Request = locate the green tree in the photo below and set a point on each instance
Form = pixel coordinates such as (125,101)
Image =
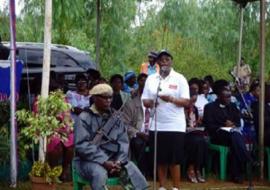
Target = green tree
(201,33)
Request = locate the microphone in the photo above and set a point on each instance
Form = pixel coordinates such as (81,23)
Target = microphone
(163,70)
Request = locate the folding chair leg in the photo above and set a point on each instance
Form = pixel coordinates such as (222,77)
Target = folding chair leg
(223,164)
(77,186)
(268,162)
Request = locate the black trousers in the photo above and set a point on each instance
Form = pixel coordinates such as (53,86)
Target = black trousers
(143,158)
(239,155)
(196,148)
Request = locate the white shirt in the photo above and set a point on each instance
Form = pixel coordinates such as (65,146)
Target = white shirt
(77,100)
(200,103)
(169,117)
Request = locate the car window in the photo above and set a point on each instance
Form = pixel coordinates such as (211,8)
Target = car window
(31,57)
(61,59)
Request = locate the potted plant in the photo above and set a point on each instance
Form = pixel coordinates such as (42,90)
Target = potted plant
(49,118)
(24,163)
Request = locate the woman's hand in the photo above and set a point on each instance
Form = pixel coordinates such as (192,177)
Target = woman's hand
(148,103)
(166,98)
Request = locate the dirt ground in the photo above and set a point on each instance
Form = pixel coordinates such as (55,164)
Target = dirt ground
(211,184)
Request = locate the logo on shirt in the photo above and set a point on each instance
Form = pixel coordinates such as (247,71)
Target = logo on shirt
(173,86)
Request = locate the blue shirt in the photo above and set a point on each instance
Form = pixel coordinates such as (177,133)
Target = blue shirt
(151,69)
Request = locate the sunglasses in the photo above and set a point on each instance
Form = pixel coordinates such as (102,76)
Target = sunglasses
(105,97)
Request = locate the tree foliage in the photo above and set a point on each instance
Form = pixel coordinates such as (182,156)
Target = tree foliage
(201,34)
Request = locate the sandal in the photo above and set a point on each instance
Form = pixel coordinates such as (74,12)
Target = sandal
(200,178)
(192,177)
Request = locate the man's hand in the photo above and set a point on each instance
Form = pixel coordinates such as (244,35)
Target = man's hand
(229,123)
(108,165)
(112,166)
(77,110)
(143,136)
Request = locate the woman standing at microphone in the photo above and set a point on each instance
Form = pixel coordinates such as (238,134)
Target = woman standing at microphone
(171,91)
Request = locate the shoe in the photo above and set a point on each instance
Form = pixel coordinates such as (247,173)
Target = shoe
(162,188)
(192,177)
(255,164)
(200,178)
(65,177)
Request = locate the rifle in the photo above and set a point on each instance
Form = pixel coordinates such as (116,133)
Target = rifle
(102,137)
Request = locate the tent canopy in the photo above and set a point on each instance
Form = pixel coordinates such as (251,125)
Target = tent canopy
(243,3)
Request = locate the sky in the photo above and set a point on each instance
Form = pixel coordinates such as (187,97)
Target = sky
(142,7)
(4,3)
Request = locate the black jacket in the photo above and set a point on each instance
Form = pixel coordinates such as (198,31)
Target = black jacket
(216,114)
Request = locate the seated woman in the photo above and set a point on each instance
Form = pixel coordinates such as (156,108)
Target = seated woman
(120,98)
(246,100)
(79,99)
(195,144)
(255,113)
(130,84)
(59,152)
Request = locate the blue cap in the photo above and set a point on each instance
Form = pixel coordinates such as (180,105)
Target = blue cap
(129,75)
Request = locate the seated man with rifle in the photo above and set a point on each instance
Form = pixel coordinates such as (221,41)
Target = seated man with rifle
(101,144)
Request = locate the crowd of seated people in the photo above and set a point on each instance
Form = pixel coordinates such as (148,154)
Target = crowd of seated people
(215,114)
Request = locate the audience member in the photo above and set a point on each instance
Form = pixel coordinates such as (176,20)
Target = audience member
(255,111)
(210,81)
(138,126)
(222,122)
(99,154)
(243,73)
(246,100)
(120,98)
(79,99)
(4,51)
(59,151)
(196,145)
(130,84)
(201,101)
(93,77)
(151,66)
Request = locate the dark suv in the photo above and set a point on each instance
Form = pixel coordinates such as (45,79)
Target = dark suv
(66,62)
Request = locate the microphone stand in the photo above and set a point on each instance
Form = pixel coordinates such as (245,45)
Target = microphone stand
(241,95)
(249,164)
(155,135)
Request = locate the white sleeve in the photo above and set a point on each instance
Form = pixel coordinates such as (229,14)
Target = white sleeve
(184,88)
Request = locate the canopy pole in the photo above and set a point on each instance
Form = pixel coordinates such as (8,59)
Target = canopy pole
(98,19)
(240,38)
(262,84)
(46,66)
(13,129)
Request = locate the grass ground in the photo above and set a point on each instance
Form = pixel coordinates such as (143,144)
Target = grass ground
(211,184)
